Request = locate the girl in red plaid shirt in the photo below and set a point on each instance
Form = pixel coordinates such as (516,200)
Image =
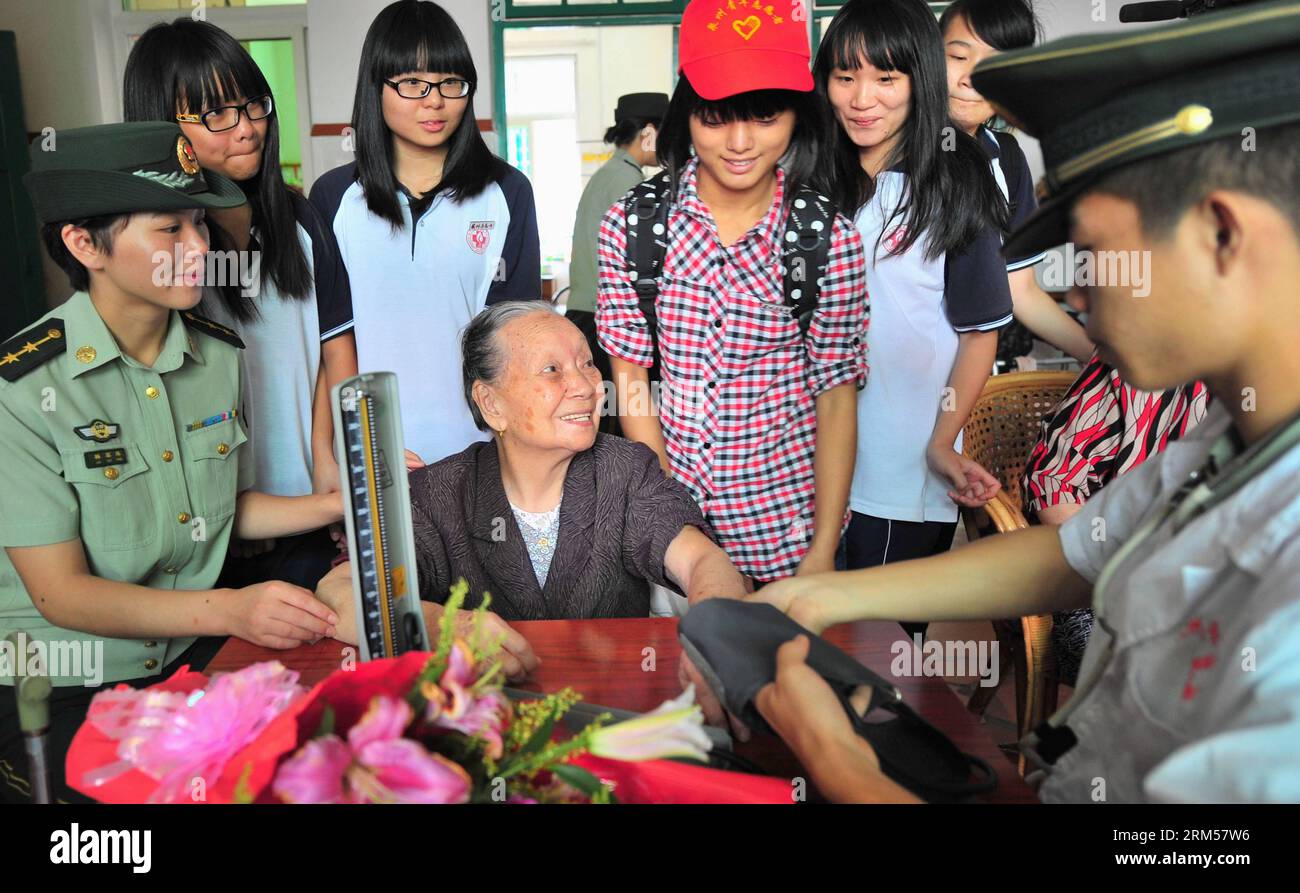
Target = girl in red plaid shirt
(757,419)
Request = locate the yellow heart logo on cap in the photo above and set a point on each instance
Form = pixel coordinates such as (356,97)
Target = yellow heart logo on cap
(746,27)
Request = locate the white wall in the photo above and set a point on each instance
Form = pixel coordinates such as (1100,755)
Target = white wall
(336,30)
(67,75)
(1062,18)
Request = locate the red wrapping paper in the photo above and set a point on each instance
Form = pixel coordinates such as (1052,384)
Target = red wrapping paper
(349,692)
(664,781)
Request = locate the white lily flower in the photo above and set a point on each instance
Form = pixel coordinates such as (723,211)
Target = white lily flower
(673,729)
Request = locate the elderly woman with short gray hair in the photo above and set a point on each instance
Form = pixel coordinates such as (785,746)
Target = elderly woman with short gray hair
(551,517)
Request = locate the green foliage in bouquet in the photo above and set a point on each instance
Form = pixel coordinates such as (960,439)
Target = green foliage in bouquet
(456,737)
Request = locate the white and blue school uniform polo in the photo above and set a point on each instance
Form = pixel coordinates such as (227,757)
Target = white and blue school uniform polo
(1014,178)
(416,288)
(283,354)
(919,306)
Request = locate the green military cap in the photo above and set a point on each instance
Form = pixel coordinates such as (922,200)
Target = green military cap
(1096,103)
(120,169)
(641,105)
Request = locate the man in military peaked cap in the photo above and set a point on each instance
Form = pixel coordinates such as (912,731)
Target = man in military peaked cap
(123,466)
(1177,148)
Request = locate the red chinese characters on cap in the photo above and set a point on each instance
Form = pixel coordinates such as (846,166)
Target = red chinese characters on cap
(737,46)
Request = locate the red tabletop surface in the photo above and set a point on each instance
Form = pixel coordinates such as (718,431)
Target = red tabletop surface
(631,663)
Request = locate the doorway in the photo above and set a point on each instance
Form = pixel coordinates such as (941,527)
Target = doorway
(560,84)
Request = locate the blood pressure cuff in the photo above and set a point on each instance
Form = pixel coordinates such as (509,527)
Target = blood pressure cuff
(734,643)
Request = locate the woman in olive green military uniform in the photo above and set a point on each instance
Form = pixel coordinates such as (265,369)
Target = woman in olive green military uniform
(123,464)
(636,128)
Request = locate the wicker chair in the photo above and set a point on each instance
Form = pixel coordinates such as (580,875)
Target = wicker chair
(1002,429)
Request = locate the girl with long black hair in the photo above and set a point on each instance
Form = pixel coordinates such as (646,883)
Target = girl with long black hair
(432,226)
(291,304)
(931,220)
(975,30)
(754,415)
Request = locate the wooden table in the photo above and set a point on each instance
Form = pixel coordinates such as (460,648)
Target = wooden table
(632,664)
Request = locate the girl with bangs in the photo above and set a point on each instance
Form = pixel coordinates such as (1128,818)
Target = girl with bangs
(292,307)
(756,416)
(975,30)
(931,219)
(432,226)
(1103,427)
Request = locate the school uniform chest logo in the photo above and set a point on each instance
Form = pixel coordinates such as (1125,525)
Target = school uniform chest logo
(479,235)
(894,239)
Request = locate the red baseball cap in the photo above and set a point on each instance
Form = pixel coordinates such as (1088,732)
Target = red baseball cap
(735,46)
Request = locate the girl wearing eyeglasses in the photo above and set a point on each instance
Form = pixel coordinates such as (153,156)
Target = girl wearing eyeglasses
(282,285)
(433,227)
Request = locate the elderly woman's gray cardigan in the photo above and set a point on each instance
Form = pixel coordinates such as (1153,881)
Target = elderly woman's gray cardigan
(617,517)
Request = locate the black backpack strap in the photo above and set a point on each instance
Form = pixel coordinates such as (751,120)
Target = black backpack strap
(805,250)
(646,207)
(1009,150)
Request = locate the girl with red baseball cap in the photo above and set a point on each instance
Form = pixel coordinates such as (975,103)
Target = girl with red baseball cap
(754,414)
(931,217)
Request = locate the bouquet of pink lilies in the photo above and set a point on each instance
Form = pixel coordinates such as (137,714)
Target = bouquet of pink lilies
(421,728)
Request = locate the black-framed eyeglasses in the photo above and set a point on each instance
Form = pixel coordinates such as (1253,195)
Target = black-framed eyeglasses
(416,88)
(224,117)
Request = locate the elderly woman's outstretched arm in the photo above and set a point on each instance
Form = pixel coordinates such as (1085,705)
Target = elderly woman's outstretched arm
(701,569)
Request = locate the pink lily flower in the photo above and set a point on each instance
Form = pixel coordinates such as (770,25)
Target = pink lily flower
(486,717)
(315,773)
(375,765)
(455,707)
(460,665)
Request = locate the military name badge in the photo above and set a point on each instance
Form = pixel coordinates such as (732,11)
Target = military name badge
(101,458)
(98,431)
(479,235)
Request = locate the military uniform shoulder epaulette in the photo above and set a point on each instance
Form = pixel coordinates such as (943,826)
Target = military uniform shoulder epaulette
(27,350)
(215,329)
